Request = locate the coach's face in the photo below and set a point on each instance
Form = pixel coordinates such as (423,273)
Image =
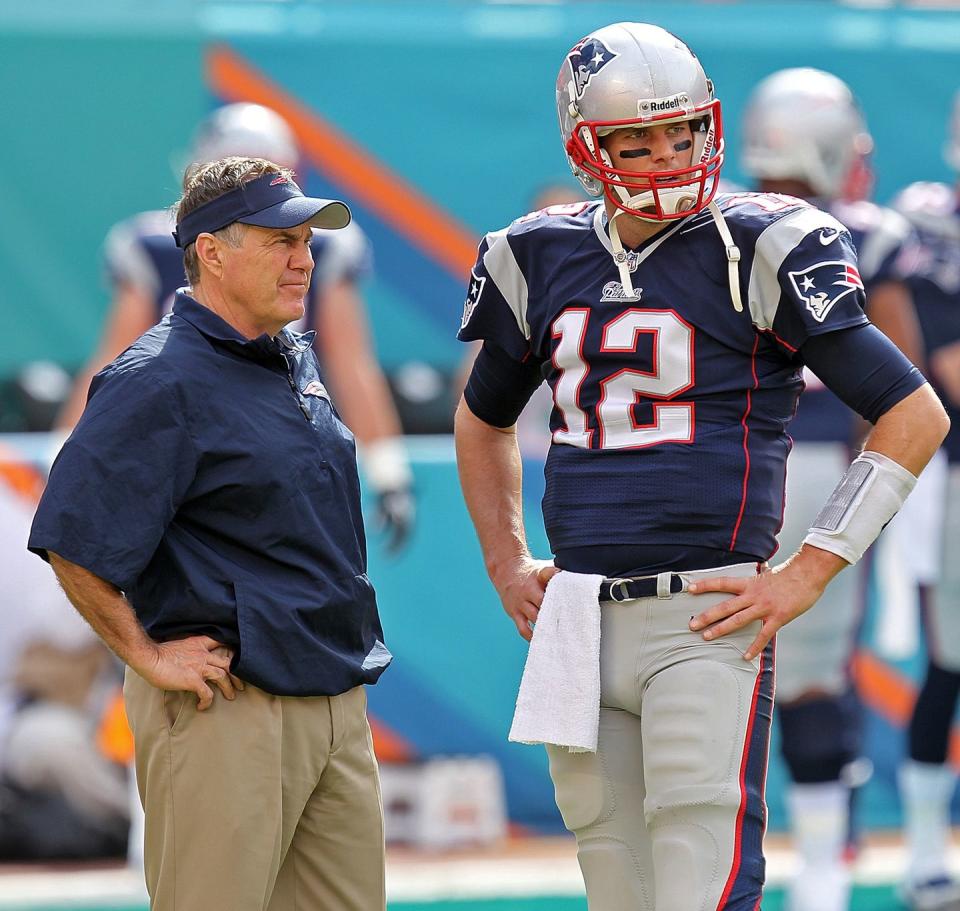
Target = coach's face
(266,278)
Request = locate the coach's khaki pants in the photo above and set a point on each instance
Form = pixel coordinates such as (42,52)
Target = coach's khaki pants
(669,812)
(266,803)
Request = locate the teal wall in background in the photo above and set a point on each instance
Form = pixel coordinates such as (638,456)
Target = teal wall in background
(88,124)
(455,98)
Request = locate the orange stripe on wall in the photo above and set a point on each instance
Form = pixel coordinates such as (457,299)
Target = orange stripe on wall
(21,477)
(362,177)
(388,745)
(890,694)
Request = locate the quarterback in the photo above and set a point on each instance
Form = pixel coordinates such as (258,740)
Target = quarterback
(672,324)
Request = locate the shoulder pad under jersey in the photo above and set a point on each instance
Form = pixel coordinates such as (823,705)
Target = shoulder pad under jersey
(780,238)
(342,254)
(533,244)
(125,249)
(878,232)
(926,198)
(754,212)
(931,207)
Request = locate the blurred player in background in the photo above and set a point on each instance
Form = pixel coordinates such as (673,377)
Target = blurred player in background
(804,136)
(146,269)
(672,327)
(927,780)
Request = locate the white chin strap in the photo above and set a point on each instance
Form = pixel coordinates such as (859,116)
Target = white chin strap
(620,258)
(733,256)
(730,248)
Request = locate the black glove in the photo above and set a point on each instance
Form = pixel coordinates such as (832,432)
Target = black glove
(396,511)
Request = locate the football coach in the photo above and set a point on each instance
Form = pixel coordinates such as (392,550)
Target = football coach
(204,517)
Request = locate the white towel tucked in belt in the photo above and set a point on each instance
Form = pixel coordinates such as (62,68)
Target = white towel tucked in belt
(559,698)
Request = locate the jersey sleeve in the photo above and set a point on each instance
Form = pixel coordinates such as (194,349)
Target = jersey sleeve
(495,309)
(126,260)
(341,255)
(119,479)
(805,279)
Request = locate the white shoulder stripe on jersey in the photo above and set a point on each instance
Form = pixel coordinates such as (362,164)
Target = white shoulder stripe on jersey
(773,246)
(344,253)
(128,261)
(878,244)
(502,267)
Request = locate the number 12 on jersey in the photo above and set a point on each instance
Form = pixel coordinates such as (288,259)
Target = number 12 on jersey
(619,391)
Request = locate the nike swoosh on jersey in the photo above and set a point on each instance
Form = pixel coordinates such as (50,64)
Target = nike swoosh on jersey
(828,236)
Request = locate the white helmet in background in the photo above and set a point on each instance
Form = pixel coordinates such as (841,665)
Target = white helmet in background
(247,130)
(632,74)
(804,124)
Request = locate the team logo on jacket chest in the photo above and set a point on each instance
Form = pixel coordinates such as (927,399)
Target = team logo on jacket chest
(820,287)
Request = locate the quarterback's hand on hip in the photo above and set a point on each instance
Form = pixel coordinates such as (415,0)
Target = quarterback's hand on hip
(521,586)
(774,597)
(188,664)
(396,510)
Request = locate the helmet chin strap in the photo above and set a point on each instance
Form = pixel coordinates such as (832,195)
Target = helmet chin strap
(733,255)
(620,257)
(731,250)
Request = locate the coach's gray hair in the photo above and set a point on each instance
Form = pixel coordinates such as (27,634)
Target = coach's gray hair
(206,182)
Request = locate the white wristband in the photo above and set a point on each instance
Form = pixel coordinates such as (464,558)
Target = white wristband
(386,465)
(866,499)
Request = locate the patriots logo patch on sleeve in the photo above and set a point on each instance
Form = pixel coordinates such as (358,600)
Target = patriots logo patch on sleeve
(586,60)
(473,297)
(819,287)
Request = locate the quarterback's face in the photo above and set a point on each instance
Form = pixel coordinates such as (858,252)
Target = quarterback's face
(662,147)
(267,277)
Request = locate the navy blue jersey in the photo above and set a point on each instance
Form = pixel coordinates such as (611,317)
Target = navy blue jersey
(670,411)
(141,252)
(934,278)
(881,237)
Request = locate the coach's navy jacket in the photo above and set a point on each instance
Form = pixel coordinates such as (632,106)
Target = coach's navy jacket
(211,480)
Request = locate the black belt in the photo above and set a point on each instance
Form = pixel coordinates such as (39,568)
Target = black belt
(631,589)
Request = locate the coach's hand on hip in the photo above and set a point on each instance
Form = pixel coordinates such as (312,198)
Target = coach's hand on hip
(188,664)
(775,596)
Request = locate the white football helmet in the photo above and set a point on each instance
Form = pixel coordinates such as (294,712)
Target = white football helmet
(805,124)
(249,130)
(632,74)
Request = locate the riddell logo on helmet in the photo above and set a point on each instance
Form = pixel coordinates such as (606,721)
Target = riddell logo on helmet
(659,106)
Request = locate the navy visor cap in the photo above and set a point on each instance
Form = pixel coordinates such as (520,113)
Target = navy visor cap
(268,201)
